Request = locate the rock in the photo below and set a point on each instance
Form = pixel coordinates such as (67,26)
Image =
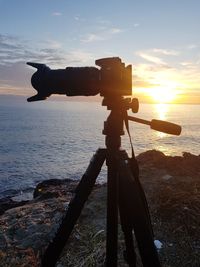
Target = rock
(166,177)
(7,203)
(188,164)
(150,156)
(31,226)
(27,228)
(54,188)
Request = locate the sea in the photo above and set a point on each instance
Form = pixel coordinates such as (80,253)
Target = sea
(56,139)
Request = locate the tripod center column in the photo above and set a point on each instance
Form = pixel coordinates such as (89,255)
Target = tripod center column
(113,129)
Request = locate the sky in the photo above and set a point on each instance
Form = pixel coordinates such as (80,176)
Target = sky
(159,38)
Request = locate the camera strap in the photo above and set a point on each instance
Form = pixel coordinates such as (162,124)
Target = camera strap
(128,131)
(135,171)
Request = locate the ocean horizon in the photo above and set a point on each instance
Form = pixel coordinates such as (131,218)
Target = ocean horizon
(56,139)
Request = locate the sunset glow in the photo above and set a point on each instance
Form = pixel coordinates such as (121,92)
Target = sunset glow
(152,84)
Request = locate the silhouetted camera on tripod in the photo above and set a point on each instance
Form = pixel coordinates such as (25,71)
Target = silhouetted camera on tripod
(124,192)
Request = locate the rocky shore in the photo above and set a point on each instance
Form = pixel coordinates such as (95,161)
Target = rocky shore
(172,187)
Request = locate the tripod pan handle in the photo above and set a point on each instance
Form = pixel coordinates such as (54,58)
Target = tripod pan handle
(165,127)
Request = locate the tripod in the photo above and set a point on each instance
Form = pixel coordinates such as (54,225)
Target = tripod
(124,194)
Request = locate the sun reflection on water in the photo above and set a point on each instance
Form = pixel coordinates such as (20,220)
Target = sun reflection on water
(162,110)
(161,114)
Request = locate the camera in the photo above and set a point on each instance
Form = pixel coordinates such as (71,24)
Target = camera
(112,79)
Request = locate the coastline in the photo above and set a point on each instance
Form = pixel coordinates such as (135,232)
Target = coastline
(172,189)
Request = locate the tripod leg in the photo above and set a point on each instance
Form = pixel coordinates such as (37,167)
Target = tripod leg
(124,210)
(112,210)
(133,211)
(75,207)
(129,253)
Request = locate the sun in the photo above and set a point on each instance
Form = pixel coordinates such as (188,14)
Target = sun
(165,92)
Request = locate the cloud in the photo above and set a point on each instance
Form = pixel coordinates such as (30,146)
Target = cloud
(151,58)
(101,20)
(53,44)
(115,30)
(15,52)
(12,50)
(188,64)
(157,55)
(15,78)
(166,52)
(192,46)
(101,34)
(184,75)
(178,69)
(78,18)
(140,82)
(79,56)
(91,37)
(135,25)
(158,58)
(57,14)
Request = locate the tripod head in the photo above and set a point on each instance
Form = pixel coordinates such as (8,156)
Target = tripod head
(122,105)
